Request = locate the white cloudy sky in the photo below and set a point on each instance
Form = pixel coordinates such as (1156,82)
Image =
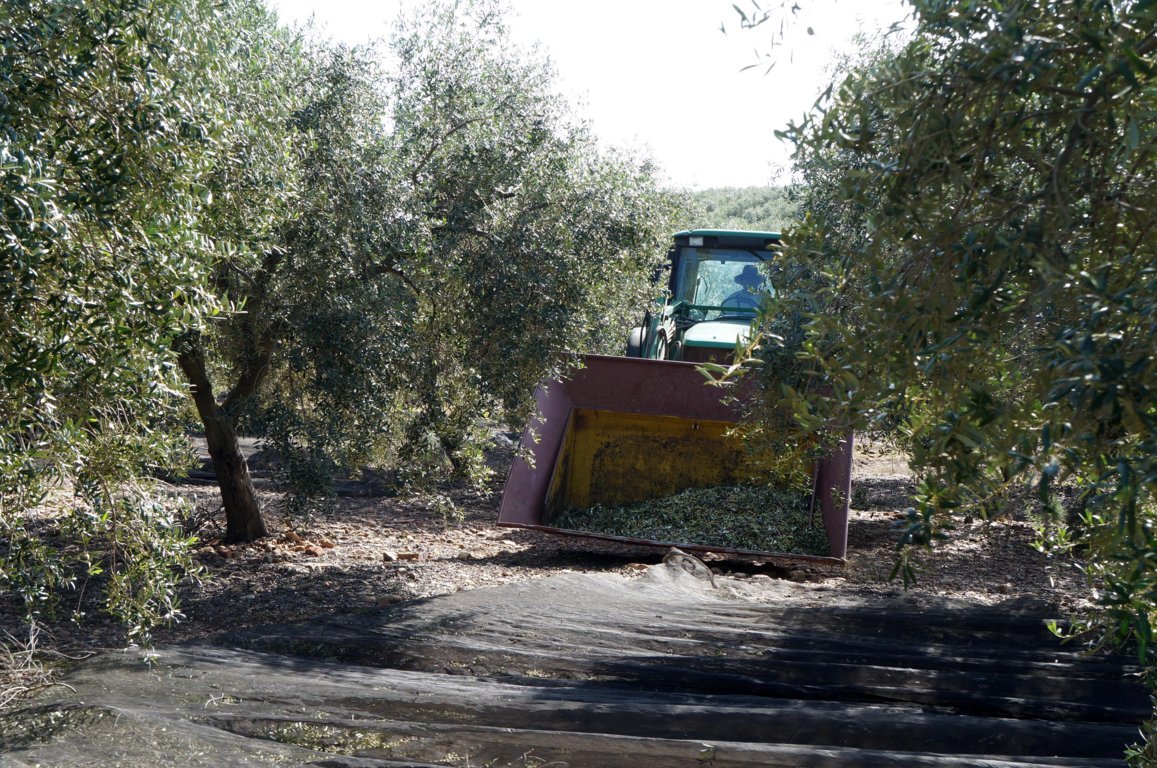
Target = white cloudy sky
(660,75)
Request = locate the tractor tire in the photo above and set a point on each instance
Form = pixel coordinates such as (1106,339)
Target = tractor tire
(635,342)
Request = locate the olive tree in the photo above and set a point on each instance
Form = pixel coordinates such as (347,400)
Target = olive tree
(257,189)
(360,263)
(108,130)
(523,239)
(451,234)
(979,254)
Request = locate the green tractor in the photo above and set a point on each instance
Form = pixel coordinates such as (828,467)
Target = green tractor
(716,284)
(620,430)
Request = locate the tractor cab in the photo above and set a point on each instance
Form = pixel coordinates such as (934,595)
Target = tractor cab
(717,281)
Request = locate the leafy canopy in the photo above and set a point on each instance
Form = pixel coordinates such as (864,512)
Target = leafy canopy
(977,266)
(460,233)
(110,125)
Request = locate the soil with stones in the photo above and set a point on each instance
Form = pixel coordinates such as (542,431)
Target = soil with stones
(375,551)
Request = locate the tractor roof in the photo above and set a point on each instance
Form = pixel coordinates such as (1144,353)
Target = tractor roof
(722,238)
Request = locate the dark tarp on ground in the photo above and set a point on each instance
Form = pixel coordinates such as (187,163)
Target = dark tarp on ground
(597,670)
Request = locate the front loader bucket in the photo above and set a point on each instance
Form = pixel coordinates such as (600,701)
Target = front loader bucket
(624,429)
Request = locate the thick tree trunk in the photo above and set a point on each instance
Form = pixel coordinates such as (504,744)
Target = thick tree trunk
(243,521)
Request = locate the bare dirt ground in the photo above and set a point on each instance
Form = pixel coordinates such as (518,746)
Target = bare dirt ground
(367,553)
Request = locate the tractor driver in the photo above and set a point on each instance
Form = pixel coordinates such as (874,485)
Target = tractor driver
(749,294)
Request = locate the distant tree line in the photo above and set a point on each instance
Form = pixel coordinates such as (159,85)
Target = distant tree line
(759,208)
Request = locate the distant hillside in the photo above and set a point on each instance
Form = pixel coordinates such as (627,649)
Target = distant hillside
(765,208)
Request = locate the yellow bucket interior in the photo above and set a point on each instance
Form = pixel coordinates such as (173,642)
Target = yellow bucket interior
(614,458)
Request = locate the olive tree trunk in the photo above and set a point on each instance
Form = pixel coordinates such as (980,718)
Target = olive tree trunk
(243,521)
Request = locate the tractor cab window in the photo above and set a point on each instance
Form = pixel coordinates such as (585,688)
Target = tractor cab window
(723,283)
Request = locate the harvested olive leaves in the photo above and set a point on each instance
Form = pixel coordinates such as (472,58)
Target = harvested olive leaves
(759,518)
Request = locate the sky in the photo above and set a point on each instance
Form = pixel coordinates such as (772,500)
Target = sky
(660,76)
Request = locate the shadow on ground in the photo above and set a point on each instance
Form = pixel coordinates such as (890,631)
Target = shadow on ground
(601,670)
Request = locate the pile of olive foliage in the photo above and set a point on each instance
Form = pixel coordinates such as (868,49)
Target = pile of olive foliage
(360,262)
(757,518)
(977,271)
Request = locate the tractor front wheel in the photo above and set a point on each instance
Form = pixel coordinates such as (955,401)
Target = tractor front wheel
(635,342)
(661,348)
